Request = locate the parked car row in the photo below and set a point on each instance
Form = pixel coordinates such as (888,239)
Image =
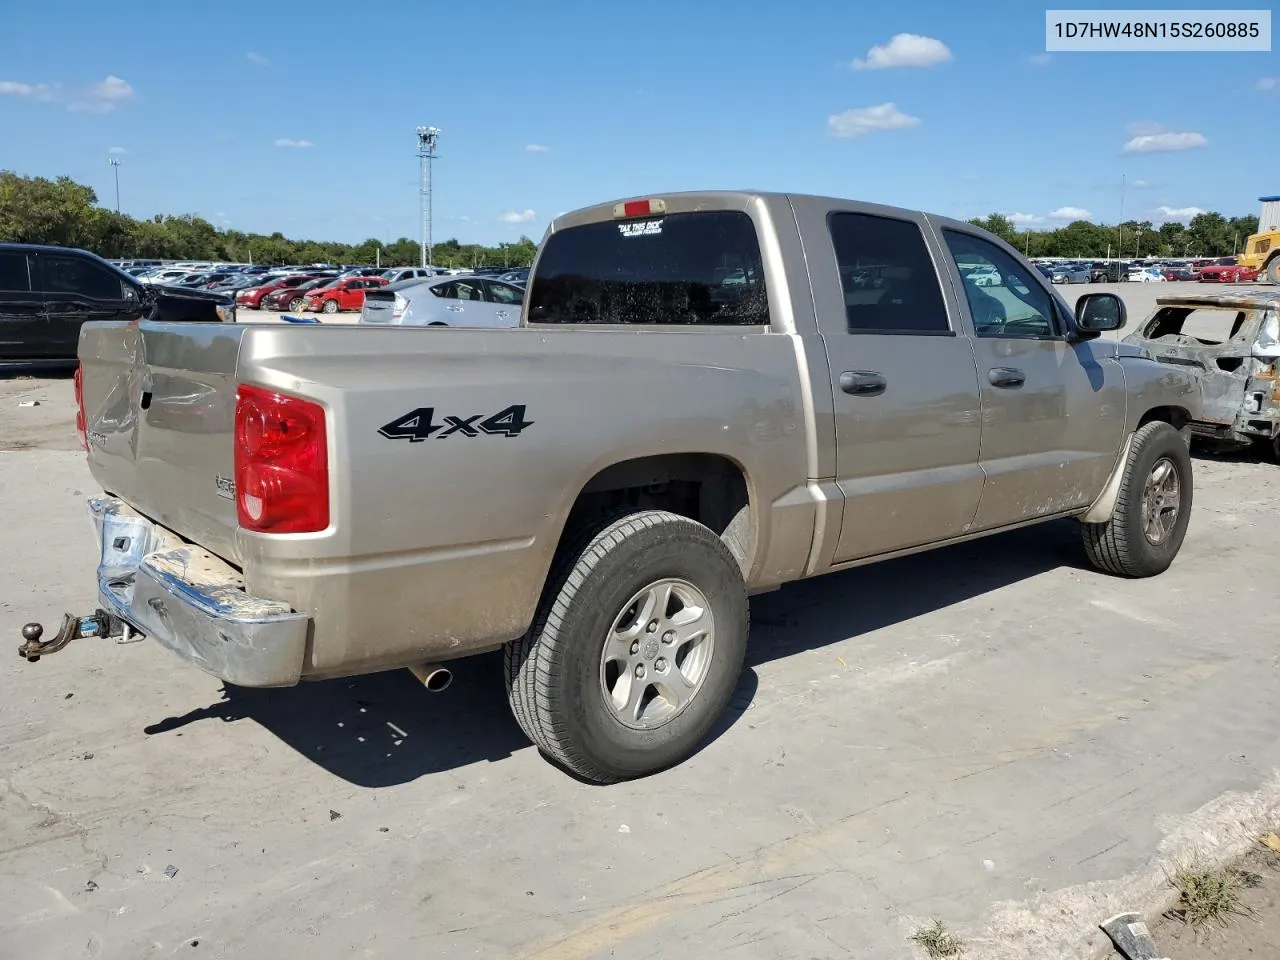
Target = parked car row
(1222,270)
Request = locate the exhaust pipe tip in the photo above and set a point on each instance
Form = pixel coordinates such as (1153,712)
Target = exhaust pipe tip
(433,676)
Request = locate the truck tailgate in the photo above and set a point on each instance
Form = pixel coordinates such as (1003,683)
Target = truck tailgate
(159,402)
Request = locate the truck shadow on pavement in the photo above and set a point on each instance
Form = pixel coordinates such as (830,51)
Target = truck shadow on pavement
(384,729)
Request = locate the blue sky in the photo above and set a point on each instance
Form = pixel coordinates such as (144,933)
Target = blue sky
(300,117)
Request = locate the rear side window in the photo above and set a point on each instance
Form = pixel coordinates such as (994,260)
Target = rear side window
(74,275)
(684,268)
(887,275)
(13,273)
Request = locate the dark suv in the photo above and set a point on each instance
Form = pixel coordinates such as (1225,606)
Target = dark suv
(48,293)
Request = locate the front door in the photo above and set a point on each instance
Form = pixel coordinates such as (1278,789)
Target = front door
(24,327)
(77,290)
(905,391)
(1052,411)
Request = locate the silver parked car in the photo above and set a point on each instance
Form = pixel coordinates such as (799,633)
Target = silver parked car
(445,302)
(1070,273)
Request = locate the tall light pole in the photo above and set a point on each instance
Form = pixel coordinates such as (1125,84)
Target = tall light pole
(115,166)
(427,138)
(1120,241)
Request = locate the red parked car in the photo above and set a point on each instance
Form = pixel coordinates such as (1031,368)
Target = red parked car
(346,294)
(252,297)
(1227,270)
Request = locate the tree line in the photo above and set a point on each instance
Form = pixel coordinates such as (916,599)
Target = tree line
(61,211)
(1205,235)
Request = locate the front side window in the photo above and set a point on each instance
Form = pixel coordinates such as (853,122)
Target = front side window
(887,276)
(82,277)
(13,273)
(701,268)
(1003,299)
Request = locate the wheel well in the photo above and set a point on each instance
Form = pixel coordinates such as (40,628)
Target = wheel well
(705,487)
(1176,417)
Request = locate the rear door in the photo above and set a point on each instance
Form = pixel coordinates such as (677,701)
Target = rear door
(76,290)
(903,379)
(24,327)
(502,303)
(464,303)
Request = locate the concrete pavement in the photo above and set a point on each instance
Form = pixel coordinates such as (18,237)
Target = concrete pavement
(990,734)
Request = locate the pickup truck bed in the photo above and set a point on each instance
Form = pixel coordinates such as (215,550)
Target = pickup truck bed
(778,386)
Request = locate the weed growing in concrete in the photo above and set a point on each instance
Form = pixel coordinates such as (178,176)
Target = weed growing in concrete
(938,942)
(1208,895)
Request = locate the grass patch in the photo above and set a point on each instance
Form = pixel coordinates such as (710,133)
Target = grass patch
(938,942)
(1208,896)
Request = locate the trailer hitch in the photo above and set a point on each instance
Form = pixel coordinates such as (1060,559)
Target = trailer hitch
(98,624)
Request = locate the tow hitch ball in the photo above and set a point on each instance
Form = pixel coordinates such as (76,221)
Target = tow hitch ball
(99,624)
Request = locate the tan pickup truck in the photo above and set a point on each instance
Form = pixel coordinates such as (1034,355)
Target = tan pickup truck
(709,395)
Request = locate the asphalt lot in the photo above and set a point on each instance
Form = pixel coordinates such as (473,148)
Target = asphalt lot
(991,734)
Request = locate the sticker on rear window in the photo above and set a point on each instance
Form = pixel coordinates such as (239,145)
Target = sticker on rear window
(640,228)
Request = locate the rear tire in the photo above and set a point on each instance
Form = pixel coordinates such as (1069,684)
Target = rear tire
(1153,507)
(1273,270)
(602,622)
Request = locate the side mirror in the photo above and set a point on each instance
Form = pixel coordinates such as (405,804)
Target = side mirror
(1099,312)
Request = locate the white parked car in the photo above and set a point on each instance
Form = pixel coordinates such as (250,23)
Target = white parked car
(1139,274)
(444,302)
(985,277)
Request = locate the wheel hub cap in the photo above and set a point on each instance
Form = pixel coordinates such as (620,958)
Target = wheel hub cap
(657,653)
(1161,501)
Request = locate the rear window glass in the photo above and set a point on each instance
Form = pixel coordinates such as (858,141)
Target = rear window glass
(684,268)
(13,272)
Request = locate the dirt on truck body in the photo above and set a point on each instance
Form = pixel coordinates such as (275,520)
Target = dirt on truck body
(1232,342)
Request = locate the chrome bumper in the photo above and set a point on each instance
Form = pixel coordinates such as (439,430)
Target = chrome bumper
(193,603)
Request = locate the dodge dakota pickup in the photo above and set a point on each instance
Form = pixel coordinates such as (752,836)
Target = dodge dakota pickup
(708,395)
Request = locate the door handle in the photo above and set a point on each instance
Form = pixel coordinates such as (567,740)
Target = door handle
(1006,377)
(503,314)
(454,307)
(862,383)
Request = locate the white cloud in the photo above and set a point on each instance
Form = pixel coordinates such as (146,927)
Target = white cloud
(1071,213)
(117,151)
(854,123)
(296,144)
(905,50)
(1179,213)
(537,148)
(1039,59)
(1139,184)
(1024,219)
(512,216)
(1267,83)
(257,58)
(27,91)
(1165,142)
(102,97)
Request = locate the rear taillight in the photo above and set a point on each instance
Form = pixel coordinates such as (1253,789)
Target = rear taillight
(78,383)
(281,463)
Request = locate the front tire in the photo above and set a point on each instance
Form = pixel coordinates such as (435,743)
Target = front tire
(1273,270)
(296,304)
(636,649)
(331,306)
(1153,507)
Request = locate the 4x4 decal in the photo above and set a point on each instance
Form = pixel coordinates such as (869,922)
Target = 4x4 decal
(418,425)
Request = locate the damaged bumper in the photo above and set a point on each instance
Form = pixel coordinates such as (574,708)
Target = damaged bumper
(193,602)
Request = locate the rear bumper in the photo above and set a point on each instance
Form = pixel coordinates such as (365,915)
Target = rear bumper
(193,602)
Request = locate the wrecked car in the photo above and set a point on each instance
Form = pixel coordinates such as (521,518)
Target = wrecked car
(1232,342)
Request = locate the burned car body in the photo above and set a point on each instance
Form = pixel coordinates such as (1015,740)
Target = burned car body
(1232,341)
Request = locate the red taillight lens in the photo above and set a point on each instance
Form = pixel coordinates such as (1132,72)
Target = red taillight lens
(78,383)
(282,463)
